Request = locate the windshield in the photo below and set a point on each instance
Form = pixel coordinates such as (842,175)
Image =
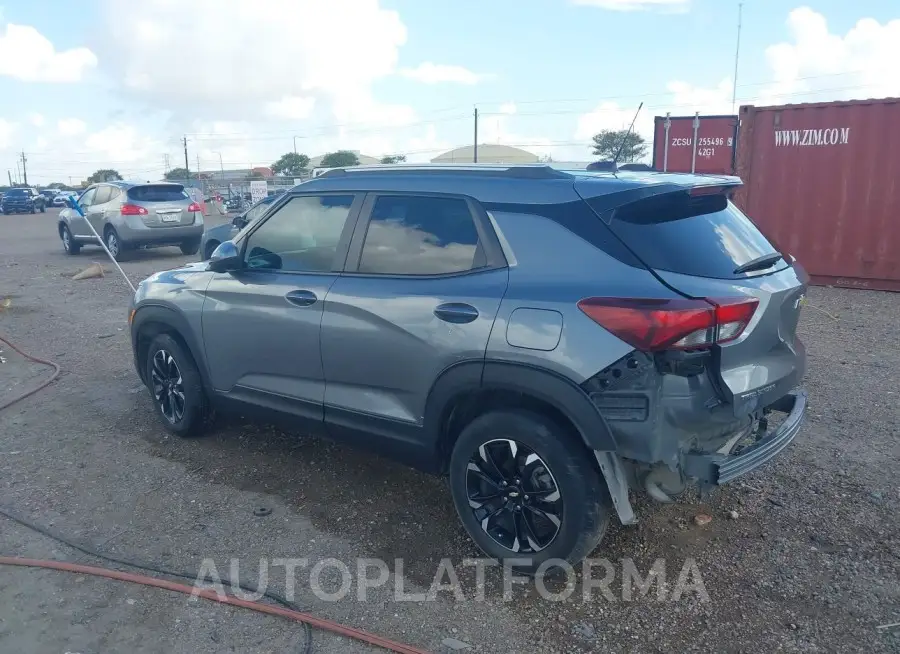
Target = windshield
(16,192)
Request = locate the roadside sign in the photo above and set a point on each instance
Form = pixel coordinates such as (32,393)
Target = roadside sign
(297,180)
(259,189)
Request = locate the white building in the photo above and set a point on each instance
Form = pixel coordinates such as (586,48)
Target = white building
(488,153)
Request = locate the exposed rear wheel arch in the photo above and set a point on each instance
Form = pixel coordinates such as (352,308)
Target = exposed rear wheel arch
(468,406)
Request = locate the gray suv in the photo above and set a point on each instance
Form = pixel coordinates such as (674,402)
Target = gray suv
(550,340)
(128,215)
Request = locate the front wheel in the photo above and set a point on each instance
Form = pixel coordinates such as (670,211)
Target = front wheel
(175,387)
(69,244)
(527,490)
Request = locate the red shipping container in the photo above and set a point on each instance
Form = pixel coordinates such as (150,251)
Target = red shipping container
(823,182)
(680,150)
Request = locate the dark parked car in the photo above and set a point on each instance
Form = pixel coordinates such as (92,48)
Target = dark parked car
(215,236)
(550,340)
(23,200)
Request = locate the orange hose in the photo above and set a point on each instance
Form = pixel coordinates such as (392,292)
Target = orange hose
(321,623)
(44,384)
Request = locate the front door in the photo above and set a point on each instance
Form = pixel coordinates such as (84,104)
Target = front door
(77,224)
(261,324)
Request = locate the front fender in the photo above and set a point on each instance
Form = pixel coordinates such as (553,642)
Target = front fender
(171,318)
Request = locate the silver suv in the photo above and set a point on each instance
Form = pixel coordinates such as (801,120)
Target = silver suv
(128,215)
(550,340)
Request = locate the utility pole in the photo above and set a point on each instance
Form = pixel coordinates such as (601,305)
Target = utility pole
(737,54)
(186,166)
(475,149)
(198,166)
(24,168)
(9,174)
(166,163)
(295,145)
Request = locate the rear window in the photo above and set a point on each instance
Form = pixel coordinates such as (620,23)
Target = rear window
(703,236)
(157,193)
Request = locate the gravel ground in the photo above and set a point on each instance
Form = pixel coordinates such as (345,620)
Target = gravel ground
(809,564)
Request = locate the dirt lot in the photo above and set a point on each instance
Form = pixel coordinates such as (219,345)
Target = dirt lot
(810,563)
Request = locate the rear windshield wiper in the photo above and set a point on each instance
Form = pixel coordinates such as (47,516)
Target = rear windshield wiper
(759,263)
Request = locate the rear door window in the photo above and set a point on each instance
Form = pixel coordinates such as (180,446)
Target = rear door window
(103,194)
(157,193)
(421,235)
(702,236)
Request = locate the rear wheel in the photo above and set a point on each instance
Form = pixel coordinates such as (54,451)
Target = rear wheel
(69,244)
(113,244)
(175,387)
(526,488)
(190,247)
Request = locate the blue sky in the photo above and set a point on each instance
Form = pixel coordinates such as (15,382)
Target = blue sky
(117,83)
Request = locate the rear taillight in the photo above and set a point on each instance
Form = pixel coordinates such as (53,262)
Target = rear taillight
(193,206)
(650,324)
(133,210)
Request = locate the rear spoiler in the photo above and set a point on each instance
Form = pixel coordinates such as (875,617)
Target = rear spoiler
(605,204)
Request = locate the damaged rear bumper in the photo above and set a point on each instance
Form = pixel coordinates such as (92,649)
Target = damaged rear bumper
(718,469)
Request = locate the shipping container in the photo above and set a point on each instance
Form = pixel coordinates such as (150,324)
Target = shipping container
(695,144)
(823,182)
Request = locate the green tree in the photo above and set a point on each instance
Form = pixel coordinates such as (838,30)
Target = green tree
(179,174)
(340,159)
(607,143)
(291,164)
(104,175)
(393,158)
(58,185)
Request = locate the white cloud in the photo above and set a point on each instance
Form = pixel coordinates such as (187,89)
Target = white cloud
(637,5)
(123,144)
(291,108)
(431,73)
(28,55)
(216,58)
(71,126)
(36,119)
(815,62)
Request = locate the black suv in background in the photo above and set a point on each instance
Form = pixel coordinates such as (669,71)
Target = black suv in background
(23,200)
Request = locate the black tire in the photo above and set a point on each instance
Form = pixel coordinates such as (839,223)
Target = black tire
(113,243)
(69,244)
(166,356)
(582,507)
(210,248)
(190,247)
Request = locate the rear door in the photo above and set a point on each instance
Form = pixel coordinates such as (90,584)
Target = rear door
(422,285)
(98,210)
(703,246)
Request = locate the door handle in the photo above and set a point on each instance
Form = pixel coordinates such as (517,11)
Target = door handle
(301,298)
(456,312)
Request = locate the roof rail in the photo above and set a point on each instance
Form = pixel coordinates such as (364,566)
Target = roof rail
(518,171)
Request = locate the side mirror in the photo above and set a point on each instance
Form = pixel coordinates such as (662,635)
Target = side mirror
(239,221)
(225,258)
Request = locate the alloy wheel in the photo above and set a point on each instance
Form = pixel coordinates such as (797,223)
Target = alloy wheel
(514,496)
(67,243)
(168,386)
(112,244)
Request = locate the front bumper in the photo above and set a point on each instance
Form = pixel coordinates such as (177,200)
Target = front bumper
(718,469)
